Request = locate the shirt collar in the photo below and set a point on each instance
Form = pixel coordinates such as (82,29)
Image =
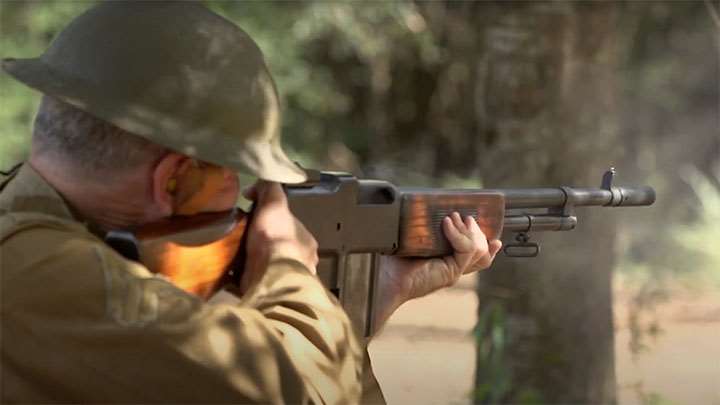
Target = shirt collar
(28,191)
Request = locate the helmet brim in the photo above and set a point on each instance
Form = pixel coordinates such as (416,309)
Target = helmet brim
(265,160)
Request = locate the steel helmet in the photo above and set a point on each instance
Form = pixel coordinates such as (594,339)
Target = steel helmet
(174,73)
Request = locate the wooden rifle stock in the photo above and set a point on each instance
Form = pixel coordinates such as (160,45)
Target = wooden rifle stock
(198,253)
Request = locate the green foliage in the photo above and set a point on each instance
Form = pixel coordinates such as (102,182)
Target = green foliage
(295,36)
(529,396)
(491,339)
(692,263)
(25,30)
(687,252)
(307,42)
(699,238)
(649,397)
(497,381)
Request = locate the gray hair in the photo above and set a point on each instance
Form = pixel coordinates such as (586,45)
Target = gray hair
(87,142)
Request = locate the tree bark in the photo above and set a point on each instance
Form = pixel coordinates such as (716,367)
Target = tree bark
(548,98)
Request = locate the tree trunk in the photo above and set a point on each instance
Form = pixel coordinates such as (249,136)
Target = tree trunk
(548,102)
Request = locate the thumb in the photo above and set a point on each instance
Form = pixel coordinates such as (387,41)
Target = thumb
(270,193)
(494,247)
(251,192)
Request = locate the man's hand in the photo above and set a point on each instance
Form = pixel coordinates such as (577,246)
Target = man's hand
(274,233)
(401,279)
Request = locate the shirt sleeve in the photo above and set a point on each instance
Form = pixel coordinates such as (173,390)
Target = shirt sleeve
(81,323)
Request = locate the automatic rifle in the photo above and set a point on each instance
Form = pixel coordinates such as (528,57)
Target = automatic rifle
(356,220)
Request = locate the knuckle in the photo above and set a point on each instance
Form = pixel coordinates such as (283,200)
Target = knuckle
(262,234)
(484,262)
(455,277)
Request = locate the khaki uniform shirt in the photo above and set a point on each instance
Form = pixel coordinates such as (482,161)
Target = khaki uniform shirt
(80,323)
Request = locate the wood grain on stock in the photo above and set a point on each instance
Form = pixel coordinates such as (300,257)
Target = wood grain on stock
(196,252)
(421,233)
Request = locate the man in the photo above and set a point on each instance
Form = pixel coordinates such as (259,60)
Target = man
(150,108)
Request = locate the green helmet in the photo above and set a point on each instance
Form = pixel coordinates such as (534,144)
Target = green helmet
(174,73)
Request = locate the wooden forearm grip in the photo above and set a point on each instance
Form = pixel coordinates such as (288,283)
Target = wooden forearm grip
(421,216)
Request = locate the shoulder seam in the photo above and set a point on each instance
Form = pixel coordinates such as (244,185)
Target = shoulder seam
(18,225)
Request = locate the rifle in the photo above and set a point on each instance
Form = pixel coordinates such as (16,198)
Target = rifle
(356,220)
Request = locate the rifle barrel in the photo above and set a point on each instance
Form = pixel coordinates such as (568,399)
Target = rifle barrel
(558,197)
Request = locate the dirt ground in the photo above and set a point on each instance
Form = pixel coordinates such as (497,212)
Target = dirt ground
(426,354)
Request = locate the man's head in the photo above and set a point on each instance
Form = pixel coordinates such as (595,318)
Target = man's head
(118,179)
(91,148)
(173,73)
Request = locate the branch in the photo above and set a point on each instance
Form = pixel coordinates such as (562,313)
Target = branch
(713,13)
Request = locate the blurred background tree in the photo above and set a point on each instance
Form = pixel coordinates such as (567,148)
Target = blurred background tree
(498,94)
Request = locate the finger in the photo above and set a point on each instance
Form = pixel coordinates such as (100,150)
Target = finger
(457,221)
(483,255)
(475,228)
(303,235)
(472,225)
(494,247)
(251,192)
(452,233)
(270,193)
(485,260)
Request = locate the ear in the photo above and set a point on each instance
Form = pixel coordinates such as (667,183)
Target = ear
(164,180)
